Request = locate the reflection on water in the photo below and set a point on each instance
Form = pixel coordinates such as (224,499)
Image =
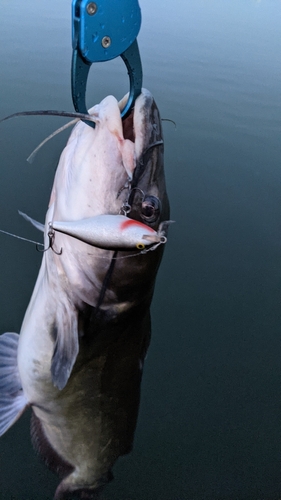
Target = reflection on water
(210,417)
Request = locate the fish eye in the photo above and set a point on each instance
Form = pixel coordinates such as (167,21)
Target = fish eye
(140,246)
(150,208)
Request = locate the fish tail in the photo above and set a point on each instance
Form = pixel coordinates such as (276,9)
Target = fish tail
(67,489)
(12,399)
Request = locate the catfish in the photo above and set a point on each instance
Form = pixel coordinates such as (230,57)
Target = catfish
(78,359)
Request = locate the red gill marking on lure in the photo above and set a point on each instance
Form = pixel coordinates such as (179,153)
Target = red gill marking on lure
(131,222)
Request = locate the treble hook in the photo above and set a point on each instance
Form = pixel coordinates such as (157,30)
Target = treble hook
(51,236)
(138,189)
(127,207)
(127,185)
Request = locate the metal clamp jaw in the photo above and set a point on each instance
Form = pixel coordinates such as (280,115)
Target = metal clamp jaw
(101,31)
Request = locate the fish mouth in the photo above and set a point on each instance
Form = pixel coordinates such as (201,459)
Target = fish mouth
(143,125)
(147,198)
(128,122)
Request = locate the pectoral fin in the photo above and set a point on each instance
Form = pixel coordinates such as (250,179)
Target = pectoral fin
(66,345)
(12,398)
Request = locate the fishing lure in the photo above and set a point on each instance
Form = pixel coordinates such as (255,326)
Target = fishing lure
(111,232)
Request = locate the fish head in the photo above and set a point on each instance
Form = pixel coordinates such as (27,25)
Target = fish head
(115,168)
(116,163)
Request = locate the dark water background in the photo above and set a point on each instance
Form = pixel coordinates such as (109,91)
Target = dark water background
(210,419)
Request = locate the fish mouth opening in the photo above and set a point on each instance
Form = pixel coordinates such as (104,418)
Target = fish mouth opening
(128,122)
(128,127)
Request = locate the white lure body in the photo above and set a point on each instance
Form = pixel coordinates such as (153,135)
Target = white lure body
(110,231)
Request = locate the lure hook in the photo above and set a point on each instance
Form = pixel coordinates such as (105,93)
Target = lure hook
(127,207)
(51,236)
